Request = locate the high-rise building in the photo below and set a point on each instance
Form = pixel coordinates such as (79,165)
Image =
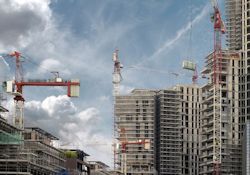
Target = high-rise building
(190,110)
(246,150)
(178,130)
(220,129)
(238,33)
(135,120)
(168,132)
(170,118)
(234,24)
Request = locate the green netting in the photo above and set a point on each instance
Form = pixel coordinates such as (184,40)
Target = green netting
(70,154)
(6,138)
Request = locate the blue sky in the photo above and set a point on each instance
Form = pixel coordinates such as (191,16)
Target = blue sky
(77,38)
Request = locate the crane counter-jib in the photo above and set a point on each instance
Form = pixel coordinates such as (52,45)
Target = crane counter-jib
(73,86)
(67,83)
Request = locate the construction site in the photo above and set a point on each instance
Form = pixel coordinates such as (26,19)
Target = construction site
(196,129)
(31,150)
(184,129)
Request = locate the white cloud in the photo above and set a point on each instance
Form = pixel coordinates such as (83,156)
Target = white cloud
(18,19)
(30,26)
(76,127)
(53,65)
(104,98)
(90,114)
(58,105)
(124,89)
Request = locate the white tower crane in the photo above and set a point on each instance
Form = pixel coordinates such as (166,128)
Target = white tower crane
(117,78)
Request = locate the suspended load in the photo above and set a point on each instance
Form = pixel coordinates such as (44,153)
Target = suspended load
(188,65)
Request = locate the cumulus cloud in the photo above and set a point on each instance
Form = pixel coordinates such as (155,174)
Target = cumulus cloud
(29,26)
(74,127)
(20,18)
(32,27)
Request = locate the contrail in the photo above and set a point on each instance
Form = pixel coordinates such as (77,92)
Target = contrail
(179,34)
(5,62)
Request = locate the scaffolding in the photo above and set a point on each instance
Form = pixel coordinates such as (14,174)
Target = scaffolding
(135,113)
(27,156)
(234,24)
(168,156)
(190,128)
(220,116)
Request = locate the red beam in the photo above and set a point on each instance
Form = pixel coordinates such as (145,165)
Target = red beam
(47,83)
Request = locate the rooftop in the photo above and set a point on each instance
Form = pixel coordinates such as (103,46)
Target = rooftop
(78,151)
(39,130)
(99,163)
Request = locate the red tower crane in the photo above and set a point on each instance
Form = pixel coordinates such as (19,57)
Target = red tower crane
(124,143)
(219,29)
(19,83)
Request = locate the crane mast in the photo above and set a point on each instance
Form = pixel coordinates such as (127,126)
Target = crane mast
(117,78)
(16,88)
(217,68)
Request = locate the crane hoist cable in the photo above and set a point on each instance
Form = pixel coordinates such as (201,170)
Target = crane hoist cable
(26,58)
(189,63)
(153,70)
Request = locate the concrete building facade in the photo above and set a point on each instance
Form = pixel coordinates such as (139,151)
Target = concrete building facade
(220,121)
(246,150)
(27,156)
(135,116)
(238,33)
(76,162)
(170,118)
(190,110)
(168,132)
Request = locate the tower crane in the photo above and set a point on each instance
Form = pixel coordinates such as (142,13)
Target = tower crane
(219,29)
(117,78)
(16,87)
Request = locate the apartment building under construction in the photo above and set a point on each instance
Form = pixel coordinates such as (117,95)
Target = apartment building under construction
(170,118)
(168,132)
(234,24)
(135,120)
(220,129)
(190,110)
(31,154)
(238,37)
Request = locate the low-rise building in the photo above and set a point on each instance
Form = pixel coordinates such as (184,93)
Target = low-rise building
(98,168)
(31,155)
(76,162)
